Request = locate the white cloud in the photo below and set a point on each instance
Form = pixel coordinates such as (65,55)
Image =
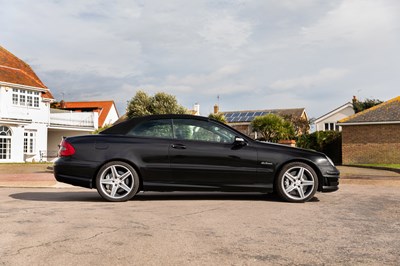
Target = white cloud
(254,54)
(224,31)
(203,80)
(75,36)
(323,76)
(296,4)
(356,21)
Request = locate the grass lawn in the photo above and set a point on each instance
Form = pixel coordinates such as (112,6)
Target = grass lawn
(394,166)
(23,168)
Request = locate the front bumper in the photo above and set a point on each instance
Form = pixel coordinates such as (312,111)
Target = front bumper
(330,181)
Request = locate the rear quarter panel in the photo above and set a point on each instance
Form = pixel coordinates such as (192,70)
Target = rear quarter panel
(148,156)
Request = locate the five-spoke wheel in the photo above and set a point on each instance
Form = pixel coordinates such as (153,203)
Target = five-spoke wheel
(117,181)
(297,182)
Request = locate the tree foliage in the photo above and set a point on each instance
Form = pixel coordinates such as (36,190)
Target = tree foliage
(97,131)
(328,142)
(360,106)
(161,103)
(301,125)
(318,140)
(273,127)
(218,116)
(55,105)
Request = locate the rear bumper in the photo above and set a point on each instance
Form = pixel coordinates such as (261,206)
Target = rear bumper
(73,180)
(74,173)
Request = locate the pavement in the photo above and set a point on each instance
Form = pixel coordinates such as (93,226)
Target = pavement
(34,180)
(45,179)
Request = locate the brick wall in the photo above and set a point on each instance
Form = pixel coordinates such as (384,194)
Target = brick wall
(371,144)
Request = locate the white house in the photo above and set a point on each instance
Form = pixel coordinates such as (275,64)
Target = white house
(29,129)
(329,121)
(106,110)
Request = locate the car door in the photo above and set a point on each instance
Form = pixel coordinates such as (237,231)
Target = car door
(149,149)
(204,155)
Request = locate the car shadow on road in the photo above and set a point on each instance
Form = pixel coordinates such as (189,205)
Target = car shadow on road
(173,196)
(58,196)
(82,196)
(228,196)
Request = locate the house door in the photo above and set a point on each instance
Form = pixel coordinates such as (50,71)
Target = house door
(5,143)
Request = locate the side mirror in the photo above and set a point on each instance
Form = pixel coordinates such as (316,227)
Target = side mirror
(240,141)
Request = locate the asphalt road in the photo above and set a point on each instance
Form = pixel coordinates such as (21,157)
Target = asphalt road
(358,225)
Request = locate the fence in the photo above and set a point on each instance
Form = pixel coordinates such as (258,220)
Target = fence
(74,119)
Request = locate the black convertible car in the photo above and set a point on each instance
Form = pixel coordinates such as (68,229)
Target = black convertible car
(189,153)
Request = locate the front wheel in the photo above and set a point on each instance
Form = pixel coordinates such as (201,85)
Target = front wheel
(297,182)
(117,181)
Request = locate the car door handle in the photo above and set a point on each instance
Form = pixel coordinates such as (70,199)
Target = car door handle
(178,146)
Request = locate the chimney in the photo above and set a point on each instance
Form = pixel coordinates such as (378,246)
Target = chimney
(216,109)
(196,109)
(355,99)
(62,104)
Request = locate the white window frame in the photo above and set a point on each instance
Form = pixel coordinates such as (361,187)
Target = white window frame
(29,142)
(15,97)
(27,98)
(5,143)
(330,126)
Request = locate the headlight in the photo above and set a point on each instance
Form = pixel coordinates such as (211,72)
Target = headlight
(330,161)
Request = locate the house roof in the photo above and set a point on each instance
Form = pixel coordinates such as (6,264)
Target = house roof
(102,107)
(249,115)
(387,112)
(14,70)
(122,118)
(337,110)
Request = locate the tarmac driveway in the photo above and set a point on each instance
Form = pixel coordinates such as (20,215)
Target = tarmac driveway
(357,225)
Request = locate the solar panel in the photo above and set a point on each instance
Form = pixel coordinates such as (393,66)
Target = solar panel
(245,116)
(228,115)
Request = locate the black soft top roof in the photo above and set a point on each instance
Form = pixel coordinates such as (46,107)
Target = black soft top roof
(123,127)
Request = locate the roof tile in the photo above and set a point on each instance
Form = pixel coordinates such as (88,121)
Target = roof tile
(14,70)
(385,112)
(102,107)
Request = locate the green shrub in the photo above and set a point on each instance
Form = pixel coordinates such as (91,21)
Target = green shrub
(328,142)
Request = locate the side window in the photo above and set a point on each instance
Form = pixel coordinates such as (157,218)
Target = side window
(154,128)
(188,129)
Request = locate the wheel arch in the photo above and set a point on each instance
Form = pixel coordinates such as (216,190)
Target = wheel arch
(300,160)
(137,169)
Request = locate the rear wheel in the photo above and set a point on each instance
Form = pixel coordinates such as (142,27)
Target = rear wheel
(117,181)
(297,182)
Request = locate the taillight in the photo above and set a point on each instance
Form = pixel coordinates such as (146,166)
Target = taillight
(66,149)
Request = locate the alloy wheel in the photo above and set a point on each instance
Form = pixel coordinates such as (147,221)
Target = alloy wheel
(117,182)
(298,183)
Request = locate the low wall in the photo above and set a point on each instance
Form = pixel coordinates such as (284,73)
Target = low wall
(371,144)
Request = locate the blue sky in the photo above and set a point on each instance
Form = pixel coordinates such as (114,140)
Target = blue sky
(259,54)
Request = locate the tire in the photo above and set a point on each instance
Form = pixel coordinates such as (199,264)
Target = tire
(117,181)
(297,182)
